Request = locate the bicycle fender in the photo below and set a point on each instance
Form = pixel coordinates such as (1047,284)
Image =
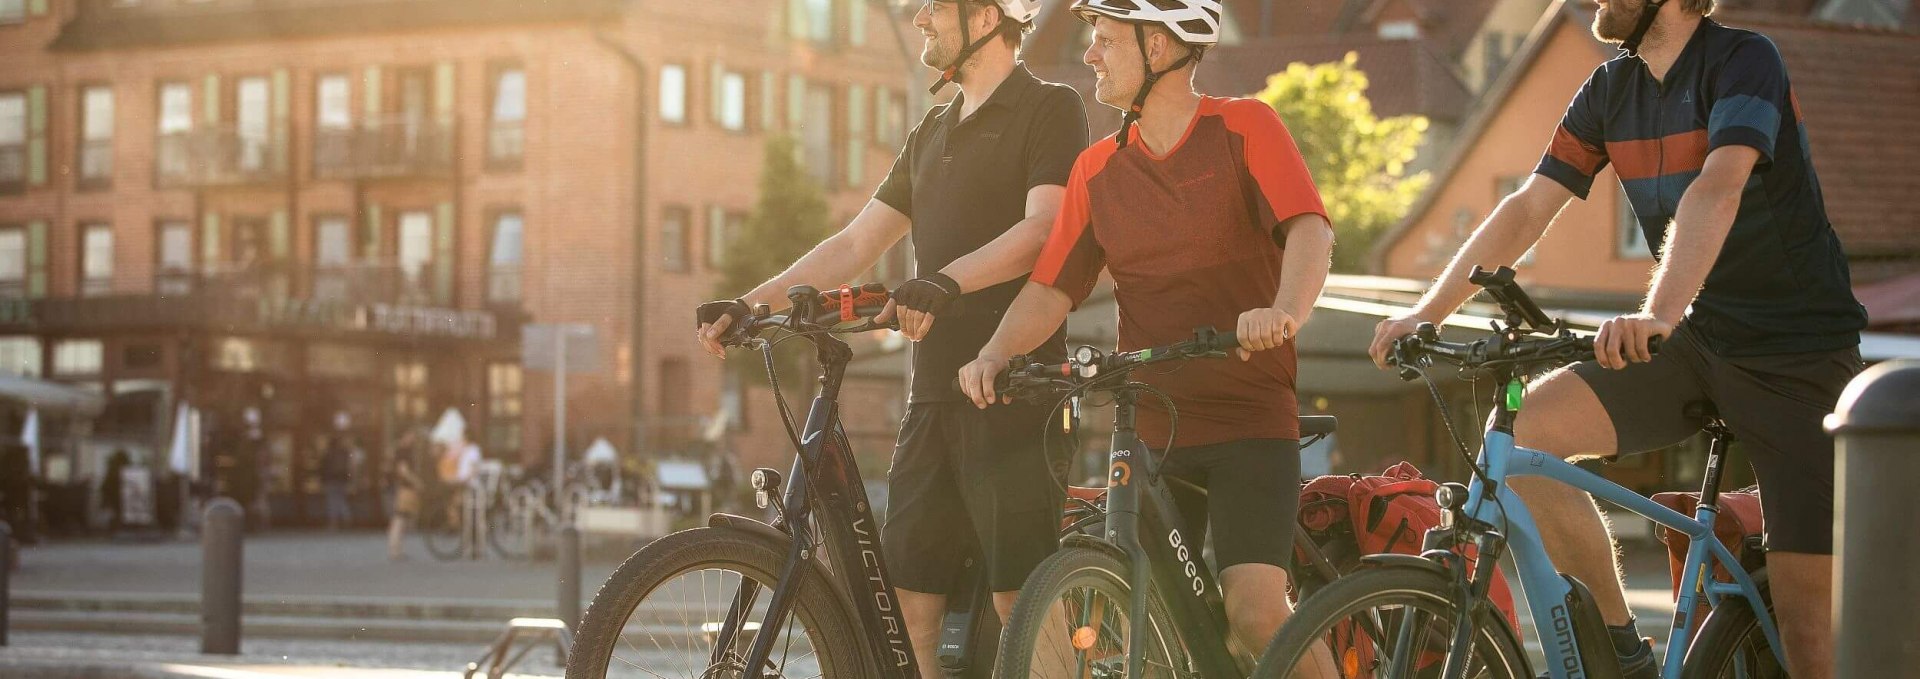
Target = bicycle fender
(1085,541)
(751,525)
(1402,561)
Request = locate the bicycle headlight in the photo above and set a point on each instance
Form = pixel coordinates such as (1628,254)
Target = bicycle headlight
(1086,355)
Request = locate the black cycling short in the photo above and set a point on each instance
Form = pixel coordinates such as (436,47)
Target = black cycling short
(1251,501)
(967,480)
(1774,405)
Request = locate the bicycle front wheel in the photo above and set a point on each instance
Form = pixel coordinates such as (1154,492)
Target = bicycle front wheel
(1731,644)
(1072,621)
(660,615)
(1385,623)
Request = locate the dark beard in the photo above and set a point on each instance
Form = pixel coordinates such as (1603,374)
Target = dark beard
(1613,24)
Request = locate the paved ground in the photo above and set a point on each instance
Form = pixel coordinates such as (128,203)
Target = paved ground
(294,565)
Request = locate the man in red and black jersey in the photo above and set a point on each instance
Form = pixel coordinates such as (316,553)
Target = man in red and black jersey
(1202,210)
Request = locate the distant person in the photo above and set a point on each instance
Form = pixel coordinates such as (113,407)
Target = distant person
(336,472)
(406,497)
(16,489)
(112,489)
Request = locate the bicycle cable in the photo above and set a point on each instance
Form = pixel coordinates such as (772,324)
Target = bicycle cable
(1460,446)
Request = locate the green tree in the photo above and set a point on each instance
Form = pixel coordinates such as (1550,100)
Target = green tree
(788,220)
(1358,160)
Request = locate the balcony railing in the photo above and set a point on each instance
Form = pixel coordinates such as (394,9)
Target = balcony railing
(395,146)
(222,155)
(364,283)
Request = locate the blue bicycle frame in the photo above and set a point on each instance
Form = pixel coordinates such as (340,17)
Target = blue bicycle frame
(1546,591)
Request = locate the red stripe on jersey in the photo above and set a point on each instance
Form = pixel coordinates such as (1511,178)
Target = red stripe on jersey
(1649,158)
(1569,149)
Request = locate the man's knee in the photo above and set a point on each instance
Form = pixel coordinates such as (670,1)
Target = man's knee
(1562,416)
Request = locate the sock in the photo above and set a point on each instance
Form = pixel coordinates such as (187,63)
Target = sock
(1626,638)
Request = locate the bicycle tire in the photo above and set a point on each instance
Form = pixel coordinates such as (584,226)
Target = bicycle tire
(440,529)
(831,630)
(1365,589)
(1059,574)
(1732,633)
(510,530)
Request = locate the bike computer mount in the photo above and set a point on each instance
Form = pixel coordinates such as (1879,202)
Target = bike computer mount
(1523,316)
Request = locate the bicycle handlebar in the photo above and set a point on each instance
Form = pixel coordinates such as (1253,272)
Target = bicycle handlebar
(1420,349)
(1087,366)
(847,309)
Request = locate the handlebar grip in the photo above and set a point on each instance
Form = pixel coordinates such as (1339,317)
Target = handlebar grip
(1225,341)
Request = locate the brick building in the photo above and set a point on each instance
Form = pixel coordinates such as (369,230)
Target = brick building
(313,206)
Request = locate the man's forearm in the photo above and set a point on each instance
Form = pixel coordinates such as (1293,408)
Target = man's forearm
(1030,320)
(834,261)
(1303,269)
(1005,258)
(1500,241)
(1694,239)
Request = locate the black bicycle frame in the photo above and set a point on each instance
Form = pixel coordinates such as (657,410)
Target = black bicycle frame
(1166,556)
(824,497)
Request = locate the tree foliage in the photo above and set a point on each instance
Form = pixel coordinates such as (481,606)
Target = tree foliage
(788,219)
(1358,160)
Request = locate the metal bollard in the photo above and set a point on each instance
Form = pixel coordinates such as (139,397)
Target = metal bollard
(569,563)
(6,578)
(220,577)
(1877,457)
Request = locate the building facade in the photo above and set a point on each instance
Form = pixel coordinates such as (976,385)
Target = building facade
(309,208)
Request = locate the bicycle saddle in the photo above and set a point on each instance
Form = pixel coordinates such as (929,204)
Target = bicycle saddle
(1318,425)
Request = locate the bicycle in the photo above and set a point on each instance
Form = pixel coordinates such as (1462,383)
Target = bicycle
(1080,602)
(523,519)
(816,568)
(454,524)
(1428,615)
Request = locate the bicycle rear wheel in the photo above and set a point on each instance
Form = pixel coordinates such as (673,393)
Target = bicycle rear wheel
(1072,621)
(659,614)
(1731,644)
(443,527)
(1389,623)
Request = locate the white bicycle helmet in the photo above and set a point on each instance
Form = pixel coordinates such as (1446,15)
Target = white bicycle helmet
(1015,15)
(1195,22)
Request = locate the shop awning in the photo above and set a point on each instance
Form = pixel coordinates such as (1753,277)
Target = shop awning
(50,396)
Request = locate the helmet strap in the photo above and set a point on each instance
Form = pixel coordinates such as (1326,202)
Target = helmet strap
(1146,87)
(1648,12)
(951,74)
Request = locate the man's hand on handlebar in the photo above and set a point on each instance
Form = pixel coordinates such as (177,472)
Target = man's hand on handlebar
(1386,332)
(921,299)
(977,378)
(1623,339)
(714,319)
(1263,329)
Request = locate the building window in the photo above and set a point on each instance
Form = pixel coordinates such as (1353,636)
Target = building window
(673,94)
(1632,243)
(1399,30)
(889,119)
(769,93)
(145,356)
(677,423)
(415,254)
(503,262)
(673,238)
(730,101)
(96,136)
(506,136)
(13,11)
(721,227)
(20,356)
(817,133)
(503,408)
(333,102)
(333,275)
(253,100)
(410,391)
(176,120)
(13,139)
(77,358)
(13,262)
(856,136)
(96,259)
(818,20)
(174,275)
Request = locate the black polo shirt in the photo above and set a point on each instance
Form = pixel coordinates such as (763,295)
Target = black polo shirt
(964,183)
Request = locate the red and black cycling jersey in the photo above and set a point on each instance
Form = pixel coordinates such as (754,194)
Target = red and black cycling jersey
(1191,239)
(1780,284)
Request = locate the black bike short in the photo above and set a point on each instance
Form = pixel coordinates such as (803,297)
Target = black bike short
(969,481)
(1774,405)
(1251,498)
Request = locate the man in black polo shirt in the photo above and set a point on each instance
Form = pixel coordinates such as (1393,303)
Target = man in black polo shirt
(977,185)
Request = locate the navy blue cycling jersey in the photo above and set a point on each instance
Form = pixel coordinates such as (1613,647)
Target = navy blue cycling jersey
(1780,284)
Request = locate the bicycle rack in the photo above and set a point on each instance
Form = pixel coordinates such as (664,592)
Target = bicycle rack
(497,659)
